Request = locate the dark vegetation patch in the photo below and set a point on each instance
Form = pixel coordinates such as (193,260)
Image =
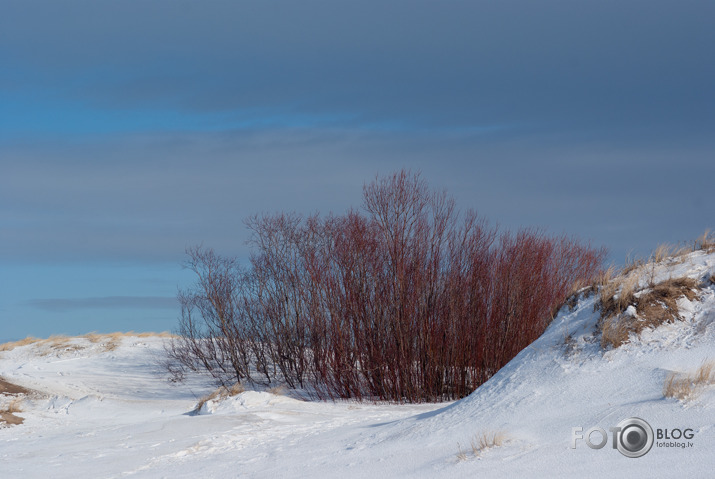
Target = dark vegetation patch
(653,306)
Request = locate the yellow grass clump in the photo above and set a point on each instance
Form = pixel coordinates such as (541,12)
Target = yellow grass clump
(687,386)
(221,393)
(480,443)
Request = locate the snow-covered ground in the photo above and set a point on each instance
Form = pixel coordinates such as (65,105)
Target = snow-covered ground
(103,412)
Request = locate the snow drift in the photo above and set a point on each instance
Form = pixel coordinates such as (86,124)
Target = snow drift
(109,412)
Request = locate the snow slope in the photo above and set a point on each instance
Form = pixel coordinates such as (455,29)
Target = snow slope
(111,413)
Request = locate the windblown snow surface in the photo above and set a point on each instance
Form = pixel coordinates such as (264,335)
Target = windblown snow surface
(111,413)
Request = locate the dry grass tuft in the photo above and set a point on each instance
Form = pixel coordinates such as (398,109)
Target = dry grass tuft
(653,307)
(632,265)
(14,406)
(278,390)
(706,242)
(688,386)
(8,410)
(58,342)
(486,441)
(659,305)
(109,342)
(705,373)
(614,332)
(480,443)
(8,417)
(617,295)
(221,393)
(461,455)
(662,252)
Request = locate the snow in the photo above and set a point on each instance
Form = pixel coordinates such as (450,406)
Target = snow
(110,413)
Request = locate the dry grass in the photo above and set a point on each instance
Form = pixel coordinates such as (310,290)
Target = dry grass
(10,419)
(672,253)
(7,412)
(278,390)
(688,386)
(461,455)
(10,388)
(14,406)
(16,344)
(96,337)
(584,290)
(662,252)
(706,242)
(653,307)
(486,441)
(618,294)
(632,265)
(480,443)
(61,342)
(614,332)
(221,393)
(682,251)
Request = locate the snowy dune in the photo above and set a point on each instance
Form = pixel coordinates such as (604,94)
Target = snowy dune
(105,409)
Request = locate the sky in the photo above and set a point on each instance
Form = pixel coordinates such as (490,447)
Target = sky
(131,130)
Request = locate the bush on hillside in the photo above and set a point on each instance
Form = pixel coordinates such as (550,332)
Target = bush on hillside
(406,300)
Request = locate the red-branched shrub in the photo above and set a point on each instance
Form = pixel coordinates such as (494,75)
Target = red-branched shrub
(402,302)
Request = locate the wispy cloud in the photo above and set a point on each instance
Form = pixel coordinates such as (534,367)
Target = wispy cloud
(63,305)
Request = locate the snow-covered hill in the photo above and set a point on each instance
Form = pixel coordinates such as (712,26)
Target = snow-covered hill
(103,408)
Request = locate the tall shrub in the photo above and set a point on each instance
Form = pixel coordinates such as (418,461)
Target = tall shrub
(403,301)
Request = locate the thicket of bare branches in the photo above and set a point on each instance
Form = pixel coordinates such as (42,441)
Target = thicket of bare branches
(406,301)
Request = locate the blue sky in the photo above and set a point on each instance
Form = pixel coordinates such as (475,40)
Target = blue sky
(130,130)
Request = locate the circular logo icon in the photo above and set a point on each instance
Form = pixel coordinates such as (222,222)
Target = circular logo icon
(635,437)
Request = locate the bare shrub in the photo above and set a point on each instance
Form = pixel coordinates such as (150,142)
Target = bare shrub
(408,301)
(215,325)
(687,386)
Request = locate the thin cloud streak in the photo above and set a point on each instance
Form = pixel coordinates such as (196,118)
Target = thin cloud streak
(64,305)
